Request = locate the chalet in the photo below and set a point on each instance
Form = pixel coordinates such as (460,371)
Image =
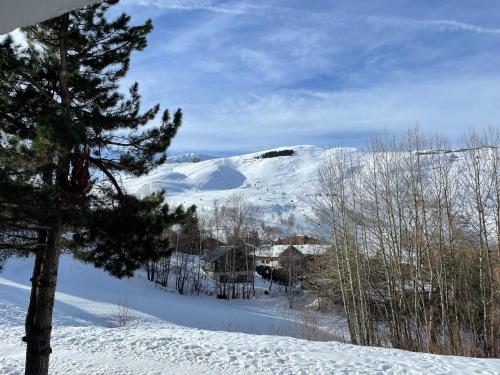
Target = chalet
(274,256)
(192,244)
(228,264)
(210,244)
(299,240)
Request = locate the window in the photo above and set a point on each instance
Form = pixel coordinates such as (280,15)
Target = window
(242,279)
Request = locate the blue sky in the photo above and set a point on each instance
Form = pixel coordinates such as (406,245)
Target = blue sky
(259,74)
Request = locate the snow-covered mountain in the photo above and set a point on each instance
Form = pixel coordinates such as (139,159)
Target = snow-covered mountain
(276,182)
(276,185)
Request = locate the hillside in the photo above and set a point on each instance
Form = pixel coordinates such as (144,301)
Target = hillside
(172,334)
(274,185)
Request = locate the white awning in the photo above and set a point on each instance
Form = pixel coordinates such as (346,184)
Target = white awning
(19,13)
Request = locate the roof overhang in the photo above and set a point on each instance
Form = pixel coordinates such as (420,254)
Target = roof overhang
(20,13)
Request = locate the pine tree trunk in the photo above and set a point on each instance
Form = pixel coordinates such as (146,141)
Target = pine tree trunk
(42,241)
(39,318)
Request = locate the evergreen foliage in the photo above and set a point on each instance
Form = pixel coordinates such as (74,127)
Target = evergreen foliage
(67,136)
(62,158)
(275,154)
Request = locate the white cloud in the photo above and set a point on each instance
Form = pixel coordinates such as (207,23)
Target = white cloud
(283,76)
(448,107)
(266,67)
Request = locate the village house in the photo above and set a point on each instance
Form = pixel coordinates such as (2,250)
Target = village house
(209,244)
(228,264)
(299,240)
(276,255)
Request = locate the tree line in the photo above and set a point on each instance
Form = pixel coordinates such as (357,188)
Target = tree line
(415,233)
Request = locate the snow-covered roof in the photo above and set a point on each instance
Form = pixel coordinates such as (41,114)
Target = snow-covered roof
(215,254)
(276,250)
(15,13)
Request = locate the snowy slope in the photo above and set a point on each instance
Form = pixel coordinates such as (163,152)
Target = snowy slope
(174,334)
(276,187)
(190,158)
(279,185)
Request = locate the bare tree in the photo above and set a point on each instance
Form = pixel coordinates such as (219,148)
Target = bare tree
(234,223)
(414,228)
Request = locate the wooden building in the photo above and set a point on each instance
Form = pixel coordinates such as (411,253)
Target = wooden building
(230,264)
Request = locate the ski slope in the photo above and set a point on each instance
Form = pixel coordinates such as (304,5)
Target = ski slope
(173,334)
(276,186)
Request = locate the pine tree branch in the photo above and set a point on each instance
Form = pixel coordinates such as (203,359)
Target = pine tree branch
(41,89)
(99,164)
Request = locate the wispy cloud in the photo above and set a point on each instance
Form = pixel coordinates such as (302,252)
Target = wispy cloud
(340,19)
(434,25)
(260,74)
(322,118)
(263,73)
(212,6)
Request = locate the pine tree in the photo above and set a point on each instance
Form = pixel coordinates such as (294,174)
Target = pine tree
(66,135)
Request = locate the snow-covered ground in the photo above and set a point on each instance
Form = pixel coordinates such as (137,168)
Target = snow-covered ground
(172,334)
